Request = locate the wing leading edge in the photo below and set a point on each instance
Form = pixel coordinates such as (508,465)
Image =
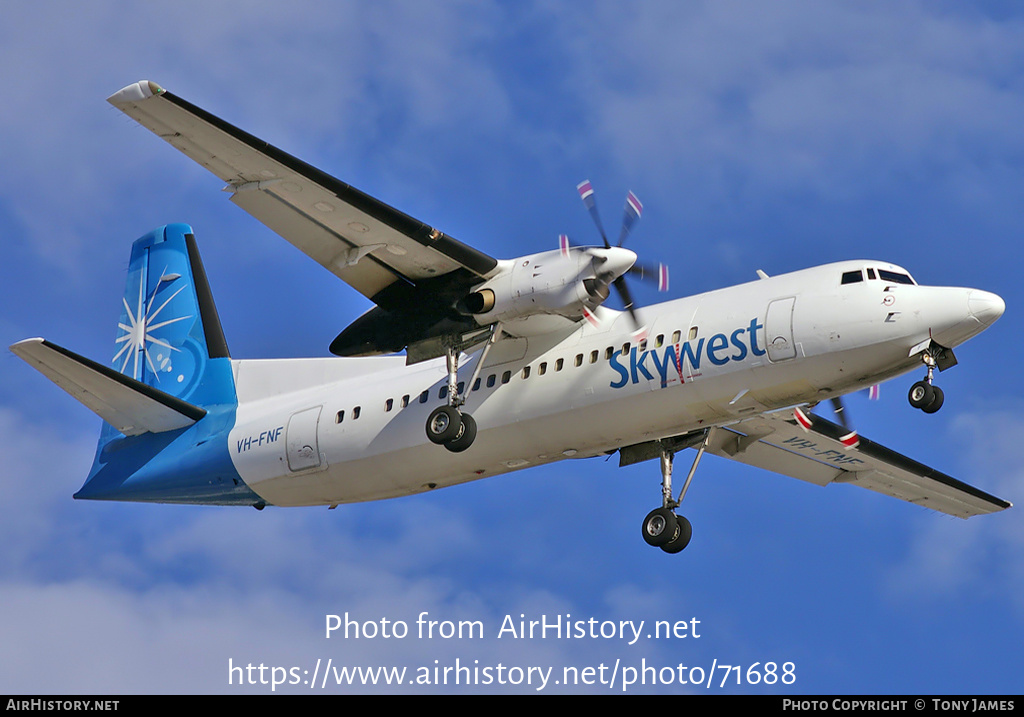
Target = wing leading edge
(777,443)
(409,269)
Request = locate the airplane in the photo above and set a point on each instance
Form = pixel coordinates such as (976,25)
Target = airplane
(507,364)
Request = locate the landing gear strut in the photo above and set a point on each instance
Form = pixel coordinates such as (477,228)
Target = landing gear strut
(923,394)
(662,528)
(448,425)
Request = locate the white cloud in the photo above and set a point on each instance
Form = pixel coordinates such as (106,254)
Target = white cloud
(832,99)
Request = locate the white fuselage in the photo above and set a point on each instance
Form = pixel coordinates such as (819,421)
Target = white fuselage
(338,430)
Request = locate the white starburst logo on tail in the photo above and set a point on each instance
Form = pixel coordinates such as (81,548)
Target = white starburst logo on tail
(138,338)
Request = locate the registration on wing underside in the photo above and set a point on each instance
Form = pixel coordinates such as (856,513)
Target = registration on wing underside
(777,444)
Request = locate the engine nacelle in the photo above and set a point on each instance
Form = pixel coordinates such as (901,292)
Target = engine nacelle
(553,282)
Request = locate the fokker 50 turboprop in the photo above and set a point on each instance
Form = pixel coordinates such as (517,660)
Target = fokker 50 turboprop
(508,363)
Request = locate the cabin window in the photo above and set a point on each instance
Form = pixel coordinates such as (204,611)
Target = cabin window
(852,277)
(389,404)
(491,379)
(526,372)
(608,352)
(625,348)
(676,335)
(542,369)
(443,391)
(594,356)
(578,360)
(659,341)
(506,377)
(340,417)
(558,364)
(424,397)
(693,333)
(643,345)
(355,413)
(476,385)
(405,400)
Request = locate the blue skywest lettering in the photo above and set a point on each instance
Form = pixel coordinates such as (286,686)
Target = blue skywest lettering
(638,365)
(737,341)
(720,349)
(685,351)
(623,373)
(718,343)
(669,356)
(752,330)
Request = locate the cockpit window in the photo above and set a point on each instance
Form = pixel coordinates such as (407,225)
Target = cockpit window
(852,277)
(894,277)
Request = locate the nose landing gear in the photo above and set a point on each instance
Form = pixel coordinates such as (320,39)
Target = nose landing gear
(923,394)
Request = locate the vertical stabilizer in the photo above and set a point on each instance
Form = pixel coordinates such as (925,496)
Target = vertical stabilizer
(169,335)
(171,371)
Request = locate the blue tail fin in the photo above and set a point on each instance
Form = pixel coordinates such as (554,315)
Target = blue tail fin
(169,331)
(171,347)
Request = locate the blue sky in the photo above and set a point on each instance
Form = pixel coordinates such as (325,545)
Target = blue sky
(759,136)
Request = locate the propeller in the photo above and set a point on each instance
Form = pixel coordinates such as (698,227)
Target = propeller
(850,439)
(598,287)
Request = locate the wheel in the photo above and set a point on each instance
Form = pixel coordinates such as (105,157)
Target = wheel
(465,437)
(921,394)
(937,400)
(660,526)
(444,424)
(682,538)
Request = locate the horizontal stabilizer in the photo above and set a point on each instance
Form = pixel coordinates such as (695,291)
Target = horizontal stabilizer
(128,405)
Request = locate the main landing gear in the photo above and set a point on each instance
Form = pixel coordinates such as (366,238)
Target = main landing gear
(448,425)
(923,394)
(662,528)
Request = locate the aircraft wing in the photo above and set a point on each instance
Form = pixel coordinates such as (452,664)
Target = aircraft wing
(399,263)
(776,442)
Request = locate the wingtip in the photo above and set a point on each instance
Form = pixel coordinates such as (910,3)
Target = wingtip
(19,346)
(135,92)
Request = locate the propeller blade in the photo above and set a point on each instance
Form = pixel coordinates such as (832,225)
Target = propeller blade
(851,439)
(627,299)
(563,244)
(840,411)
(650,273)
(631,216)
(587,195)
(806,422)
(592,316)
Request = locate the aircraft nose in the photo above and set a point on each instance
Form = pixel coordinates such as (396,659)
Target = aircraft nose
(985,306)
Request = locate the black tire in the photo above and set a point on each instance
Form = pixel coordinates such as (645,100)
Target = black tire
(466,435)
(660,526)
(921,394)
(682,538)
(937,400)
(443,424)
